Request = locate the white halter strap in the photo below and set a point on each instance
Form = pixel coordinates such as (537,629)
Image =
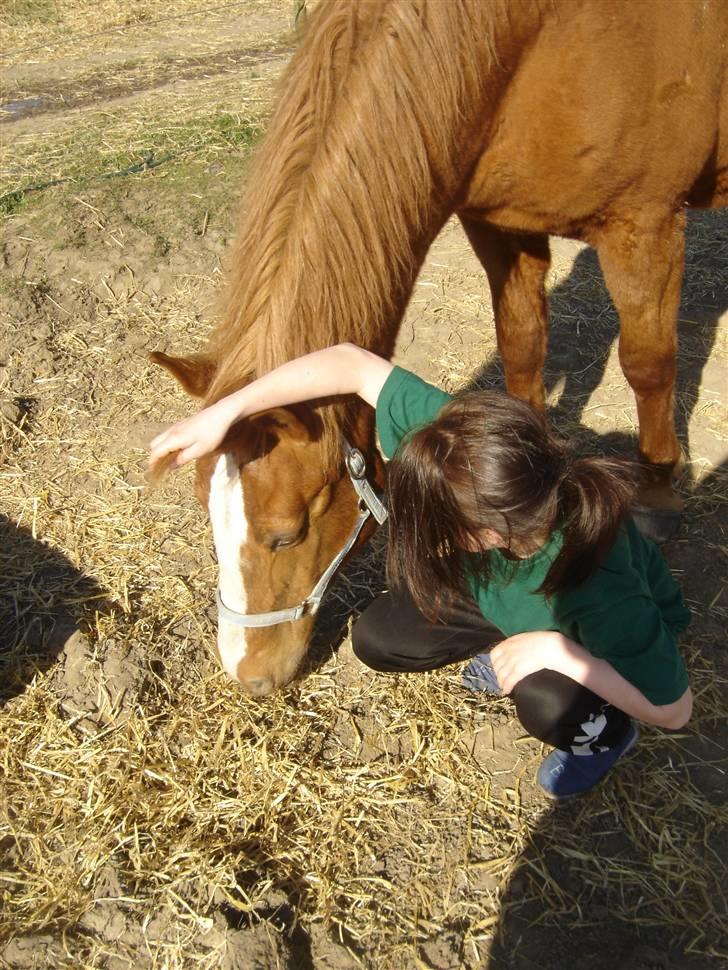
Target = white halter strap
(369,504)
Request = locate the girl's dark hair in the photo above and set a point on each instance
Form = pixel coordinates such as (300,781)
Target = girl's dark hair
(490,462)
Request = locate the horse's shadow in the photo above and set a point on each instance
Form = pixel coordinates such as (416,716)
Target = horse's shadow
(44,600)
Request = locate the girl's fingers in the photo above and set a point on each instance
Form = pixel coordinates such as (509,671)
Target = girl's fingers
(160,452)
(504,672)
(163,444)
(159,448)
(183,441)
(173,433)
(185,455)
(505,685)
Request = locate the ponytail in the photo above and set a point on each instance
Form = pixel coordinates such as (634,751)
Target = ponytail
(593,495)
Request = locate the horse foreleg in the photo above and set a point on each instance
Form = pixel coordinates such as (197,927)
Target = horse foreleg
(516,266)
(643,269)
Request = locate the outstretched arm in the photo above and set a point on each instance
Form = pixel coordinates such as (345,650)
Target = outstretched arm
(525,653)
(342,369)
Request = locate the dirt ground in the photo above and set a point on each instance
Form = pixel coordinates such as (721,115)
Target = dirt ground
(152,816)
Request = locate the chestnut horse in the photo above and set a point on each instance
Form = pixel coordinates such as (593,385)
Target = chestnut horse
(594,119)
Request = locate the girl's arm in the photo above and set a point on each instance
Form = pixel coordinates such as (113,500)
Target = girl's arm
(343,369)
(525,653)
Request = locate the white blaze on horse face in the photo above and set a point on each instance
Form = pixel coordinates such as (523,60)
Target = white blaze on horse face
(229,530)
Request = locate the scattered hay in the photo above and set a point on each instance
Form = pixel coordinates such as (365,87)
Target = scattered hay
(46,30)
(145,795)
(151,815)
(203,122)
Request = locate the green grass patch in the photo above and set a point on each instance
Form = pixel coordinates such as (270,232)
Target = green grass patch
(92,154)
(12,202)
(226,129)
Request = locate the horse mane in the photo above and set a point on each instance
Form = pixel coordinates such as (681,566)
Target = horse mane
(355,178)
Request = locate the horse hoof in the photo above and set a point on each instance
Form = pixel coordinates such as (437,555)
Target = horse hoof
(656,524)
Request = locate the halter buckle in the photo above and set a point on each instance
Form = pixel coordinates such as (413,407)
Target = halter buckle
(355,464)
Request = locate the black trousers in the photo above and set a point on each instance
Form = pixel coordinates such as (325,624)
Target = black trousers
(393,636)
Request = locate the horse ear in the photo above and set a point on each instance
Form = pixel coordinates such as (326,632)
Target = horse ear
(193,373)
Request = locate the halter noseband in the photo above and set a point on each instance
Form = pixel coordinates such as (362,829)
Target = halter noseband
(369,504)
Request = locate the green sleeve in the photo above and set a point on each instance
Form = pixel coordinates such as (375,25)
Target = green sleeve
(633,637)
(665,591)
(616,615)
(405,402)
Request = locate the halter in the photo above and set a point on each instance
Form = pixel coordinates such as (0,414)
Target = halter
(369,504)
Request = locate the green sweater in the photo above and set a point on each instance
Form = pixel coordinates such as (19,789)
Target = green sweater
(628,612)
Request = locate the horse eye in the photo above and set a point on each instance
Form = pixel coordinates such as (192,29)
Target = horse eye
(283,542)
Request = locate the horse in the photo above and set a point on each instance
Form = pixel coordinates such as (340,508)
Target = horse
(599,120)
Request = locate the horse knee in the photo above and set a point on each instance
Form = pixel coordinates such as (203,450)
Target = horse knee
(648,371)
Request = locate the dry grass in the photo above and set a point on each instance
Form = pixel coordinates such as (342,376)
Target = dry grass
(48,30)
(203,124)
(151,815)
(392,811)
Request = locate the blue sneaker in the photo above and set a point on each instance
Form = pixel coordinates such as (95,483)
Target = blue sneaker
(565,775)
(479,676)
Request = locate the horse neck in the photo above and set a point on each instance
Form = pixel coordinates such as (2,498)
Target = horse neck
(380,121)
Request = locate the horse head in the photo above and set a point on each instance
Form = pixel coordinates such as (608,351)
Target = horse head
(282,522)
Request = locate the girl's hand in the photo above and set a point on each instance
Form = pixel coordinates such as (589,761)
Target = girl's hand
(190,439)
(526,653)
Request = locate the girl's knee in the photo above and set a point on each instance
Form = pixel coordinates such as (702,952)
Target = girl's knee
(561,712)
(370,644)
(542,702)
(361,646)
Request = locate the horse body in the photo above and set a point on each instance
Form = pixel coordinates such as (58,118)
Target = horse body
(588,129)
(529,119)
(586,143)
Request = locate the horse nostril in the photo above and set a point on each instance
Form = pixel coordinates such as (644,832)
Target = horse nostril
(258,686)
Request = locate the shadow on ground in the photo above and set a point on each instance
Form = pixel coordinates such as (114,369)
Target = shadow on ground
(44,601)
(574,895)
(660,819)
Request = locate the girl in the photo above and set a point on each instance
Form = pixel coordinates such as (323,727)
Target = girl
(503,550)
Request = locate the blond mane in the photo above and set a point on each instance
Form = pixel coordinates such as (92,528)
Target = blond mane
(359,170)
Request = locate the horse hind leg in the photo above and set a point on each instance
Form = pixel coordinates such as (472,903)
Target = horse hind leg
(643,270)
(516,266)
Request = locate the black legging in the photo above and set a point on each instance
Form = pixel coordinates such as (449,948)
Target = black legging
(393,636)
